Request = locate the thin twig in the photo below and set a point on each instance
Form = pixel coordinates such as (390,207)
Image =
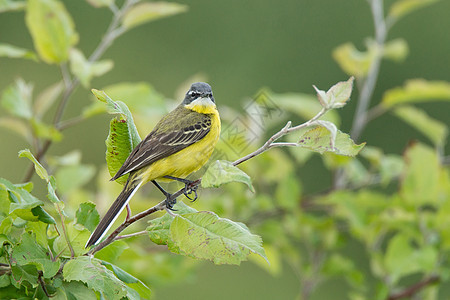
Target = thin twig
(125,236)
(160,206)
(415,288)
(42,283)
(285,130)
(368,87)
(66,235)
(375,112)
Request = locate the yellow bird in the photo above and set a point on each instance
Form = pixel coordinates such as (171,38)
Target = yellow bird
(181,143)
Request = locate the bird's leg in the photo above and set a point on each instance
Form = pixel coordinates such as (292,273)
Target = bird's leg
(189,187)
(169,202)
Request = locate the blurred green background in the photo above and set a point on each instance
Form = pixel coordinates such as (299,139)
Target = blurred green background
(239,46)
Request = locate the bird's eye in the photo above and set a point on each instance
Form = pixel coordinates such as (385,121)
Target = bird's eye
(194,94)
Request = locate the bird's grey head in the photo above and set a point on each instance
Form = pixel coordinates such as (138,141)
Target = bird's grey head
(198,90)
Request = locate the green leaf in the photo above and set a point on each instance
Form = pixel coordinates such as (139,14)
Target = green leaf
(354,62)
(120,273)
(5,226)
(30,252)
(100,3)
(46,98)
(11,51)
(391,167)
(113,251)
(118,147)
(150,11)
(319,140)
(20,274)
(288,193)
(51,28)
(17,126)
(400,253)
(10,5)
(134,283)
(20,198)
(131,281)
(42,215)
(221,172)
(415,91)
(85,70)
(331,128)
(337,96)
(396,50)
(88,216)
(51,188)
(40,230)
(69,159)
(46,131)
(434,130)
(77,290)
(420,184)
(4,280)
(159,228)
(206,236)
(97,277)
(118,107)
(16,99)
(73,177)
(401,8)
(122,137)
(40,170)
(78,235)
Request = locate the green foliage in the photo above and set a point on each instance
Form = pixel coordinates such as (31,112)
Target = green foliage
(392,208)
(29,252)
(51,28)
(321,139)
(150,11)
(401,8)
(337,95)
(206,236)
(416,91)
(90,271)
(86,70)
(434,130)
(221,172)
(16,52)
(122,137)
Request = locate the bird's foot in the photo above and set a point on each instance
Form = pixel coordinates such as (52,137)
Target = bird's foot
(170,202)
(190,187)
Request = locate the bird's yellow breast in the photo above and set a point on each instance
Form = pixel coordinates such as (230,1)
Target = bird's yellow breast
(193,157)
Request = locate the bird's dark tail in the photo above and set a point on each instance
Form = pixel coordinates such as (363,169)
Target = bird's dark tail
(116,208)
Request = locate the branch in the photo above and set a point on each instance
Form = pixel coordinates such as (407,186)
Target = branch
(415,288)
(285,130)
(368,87)
(125,236)
(160,206)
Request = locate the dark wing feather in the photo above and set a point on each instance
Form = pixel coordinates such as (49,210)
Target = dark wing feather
(162,143)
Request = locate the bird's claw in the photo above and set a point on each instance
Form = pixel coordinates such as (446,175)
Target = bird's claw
(190,188)
(170,202)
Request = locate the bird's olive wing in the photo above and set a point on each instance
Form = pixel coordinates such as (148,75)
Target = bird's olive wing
(160,145)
